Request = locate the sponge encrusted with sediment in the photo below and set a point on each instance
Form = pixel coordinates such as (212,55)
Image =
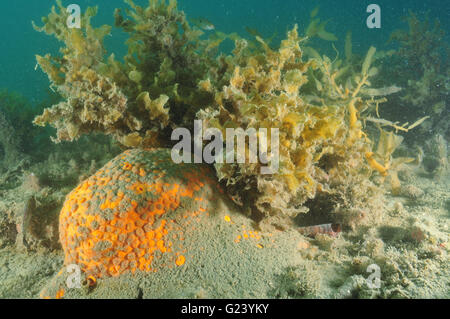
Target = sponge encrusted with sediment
(132,214)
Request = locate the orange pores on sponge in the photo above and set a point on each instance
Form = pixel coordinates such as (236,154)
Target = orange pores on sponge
(132,214)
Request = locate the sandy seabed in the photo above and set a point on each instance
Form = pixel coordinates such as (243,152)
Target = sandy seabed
(409,245)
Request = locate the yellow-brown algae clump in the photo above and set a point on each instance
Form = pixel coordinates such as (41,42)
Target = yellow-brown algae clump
(132,214)
(101,94)
(321,140)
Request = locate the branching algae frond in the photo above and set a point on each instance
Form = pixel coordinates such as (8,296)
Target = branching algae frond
(92,101)
(316,27)
(166,59)
(383,161)
(422,45)
(423,69)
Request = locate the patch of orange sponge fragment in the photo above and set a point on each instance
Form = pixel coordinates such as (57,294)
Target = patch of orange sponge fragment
(132,215)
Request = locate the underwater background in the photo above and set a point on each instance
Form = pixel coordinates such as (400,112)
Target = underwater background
(363,186)
(20,42)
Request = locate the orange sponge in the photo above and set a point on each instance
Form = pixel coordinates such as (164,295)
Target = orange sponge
(131,215)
